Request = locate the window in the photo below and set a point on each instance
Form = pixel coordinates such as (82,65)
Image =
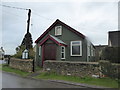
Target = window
(76,48)
(58,30)
(88,49)
(39,50)
(92,51)
(62,52)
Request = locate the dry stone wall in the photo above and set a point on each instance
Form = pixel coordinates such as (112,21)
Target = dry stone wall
(22,64)
(72,68)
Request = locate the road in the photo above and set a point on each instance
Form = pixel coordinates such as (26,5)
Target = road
(14,81)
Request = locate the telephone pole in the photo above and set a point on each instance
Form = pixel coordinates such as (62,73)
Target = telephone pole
(28,25)
(27,41)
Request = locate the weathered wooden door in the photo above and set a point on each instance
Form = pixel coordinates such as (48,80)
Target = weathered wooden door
(50,51)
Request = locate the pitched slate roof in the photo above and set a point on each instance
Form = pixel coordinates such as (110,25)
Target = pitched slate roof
(55,39)
(63,24)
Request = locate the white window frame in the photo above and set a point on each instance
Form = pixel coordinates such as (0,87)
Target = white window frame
(56,32)
(63,52)
(39,50)
(76,45)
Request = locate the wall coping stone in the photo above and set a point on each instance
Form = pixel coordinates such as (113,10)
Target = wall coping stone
(21,59)
(73,62)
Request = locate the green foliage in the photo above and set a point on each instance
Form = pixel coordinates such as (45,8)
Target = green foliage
(27,41)
(88,80)
(31,53)
(109,69)
(19,51)
(38,68)
(0,67)
(16,71)
(111,54)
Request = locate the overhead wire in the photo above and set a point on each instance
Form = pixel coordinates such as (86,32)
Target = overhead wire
(10,13)
(14,7)
(36,13)
(33,12)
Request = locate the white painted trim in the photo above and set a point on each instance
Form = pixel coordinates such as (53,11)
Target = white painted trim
(60,31)
(76,45)
(63,52)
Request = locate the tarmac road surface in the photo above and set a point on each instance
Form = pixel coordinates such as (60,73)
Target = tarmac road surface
(14,81)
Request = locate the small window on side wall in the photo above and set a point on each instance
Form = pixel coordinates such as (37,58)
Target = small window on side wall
(58,30)
(62,52)
(39,51)
(76,48)
(88,50)
(92,51)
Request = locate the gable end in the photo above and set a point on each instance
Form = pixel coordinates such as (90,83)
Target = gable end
(63,24)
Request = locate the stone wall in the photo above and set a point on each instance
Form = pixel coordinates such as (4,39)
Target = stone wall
(22,64)
(72,68)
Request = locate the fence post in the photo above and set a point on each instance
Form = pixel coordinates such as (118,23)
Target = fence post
(8,60)
(33,65)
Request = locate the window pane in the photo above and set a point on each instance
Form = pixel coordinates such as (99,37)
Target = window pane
(76,42)
(58,30)
(62,50)
(88,50)
(39,50)
(62,56)
(75,50)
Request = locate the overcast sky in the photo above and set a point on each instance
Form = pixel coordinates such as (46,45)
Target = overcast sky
(93,19)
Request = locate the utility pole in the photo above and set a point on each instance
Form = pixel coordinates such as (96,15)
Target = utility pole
(28,21)
(27,41)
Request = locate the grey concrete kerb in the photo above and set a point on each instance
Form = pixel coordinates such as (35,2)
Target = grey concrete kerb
(78,84)
(70,83)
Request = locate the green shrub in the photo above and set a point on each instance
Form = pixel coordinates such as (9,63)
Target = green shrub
(31,54)
(109,69)
(19,51)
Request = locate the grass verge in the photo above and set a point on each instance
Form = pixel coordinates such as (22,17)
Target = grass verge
(106,82)
(0,66)
(6,68)
(37,68)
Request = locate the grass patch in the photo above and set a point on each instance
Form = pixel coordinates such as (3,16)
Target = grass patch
(0,66)
(38,68)
(6,68)
(107,82)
